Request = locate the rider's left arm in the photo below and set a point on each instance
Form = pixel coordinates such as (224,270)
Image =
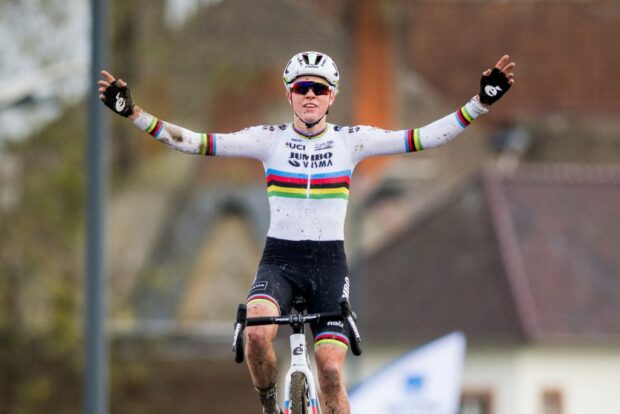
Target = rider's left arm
(493,85)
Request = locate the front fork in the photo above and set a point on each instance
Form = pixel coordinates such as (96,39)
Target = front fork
(300,362)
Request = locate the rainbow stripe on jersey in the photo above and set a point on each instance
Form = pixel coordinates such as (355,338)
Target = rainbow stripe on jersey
(316,186)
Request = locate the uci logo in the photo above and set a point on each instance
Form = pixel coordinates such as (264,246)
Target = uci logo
(492,90)
(296,146)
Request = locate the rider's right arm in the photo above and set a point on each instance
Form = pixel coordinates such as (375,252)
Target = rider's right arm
(254,142)
(251,142)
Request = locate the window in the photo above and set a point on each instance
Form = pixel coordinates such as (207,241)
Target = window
(551,402)
(476,402)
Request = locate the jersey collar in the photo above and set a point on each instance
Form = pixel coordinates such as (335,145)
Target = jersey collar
(313,136)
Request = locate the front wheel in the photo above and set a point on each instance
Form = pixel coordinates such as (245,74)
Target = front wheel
(300,401)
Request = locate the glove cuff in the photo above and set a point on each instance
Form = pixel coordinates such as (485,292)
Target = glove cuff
(143,121)
(475,107)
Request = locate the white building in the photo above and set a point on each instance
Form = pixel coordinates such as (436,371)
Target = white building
(527,266)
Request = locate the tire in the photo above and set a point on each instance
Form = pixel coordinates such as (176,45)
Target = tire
(300,403)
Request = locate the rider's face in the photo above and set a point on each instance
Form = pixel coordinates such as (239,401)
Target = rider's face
(310,107)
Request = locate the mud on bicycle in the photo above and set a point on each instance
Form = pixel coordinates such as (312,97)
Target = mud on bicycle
(300,391)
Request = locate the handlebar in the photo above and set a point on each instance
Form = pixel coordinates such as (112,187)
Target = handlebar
(293,319)
(346,314)
(238,334)
(349,320)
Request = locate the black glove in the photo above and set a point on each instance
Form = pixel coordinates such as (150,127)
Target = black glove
(493,87)
(118,99)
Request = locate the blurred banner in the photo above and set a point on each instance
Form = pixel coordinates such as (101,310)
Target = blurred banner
(426,380)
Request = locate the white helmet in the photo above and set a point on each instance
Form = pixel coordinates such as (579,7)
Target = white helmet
(314,64)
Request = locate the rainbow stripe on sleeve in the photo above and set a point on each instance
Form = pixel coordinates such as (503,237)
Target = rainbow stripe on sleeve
(155,127)
(207,144)
(463,117)
(412,140)
(317,186)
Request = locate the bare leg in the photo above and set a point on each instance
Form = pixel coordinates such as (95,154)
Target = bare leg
(260,356)
(330,366)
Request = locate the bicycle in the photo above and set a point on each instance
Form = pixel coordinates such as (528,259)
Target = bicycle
(299,387)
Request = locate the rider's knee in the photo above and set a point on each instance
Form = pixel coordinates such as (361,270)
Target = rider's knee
(330,378)
(257,338)
(330,361)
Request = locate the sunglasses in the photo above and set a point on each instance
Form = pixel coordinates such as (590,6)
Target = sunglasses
(303,87)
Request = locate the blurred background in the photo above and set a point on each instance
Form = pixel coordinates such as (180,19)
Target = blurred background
(509,234)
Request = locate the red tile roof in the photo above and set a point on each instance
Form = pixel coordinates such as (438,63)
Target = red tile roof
(558,229)
(531,255)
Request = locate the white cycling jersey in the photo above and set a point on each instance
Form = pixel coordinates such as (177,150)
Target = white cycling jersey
(308,177)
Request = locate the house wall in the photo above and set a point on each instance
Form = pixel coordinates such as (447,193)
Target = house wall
(588,378)
(492,371)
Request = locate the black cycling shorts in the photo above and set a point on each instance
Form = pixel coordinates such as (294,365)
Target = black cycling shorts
(316,270)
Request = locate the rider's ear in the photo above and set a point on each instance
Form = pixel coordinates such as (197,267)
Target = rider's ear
(289,97)
(332,98)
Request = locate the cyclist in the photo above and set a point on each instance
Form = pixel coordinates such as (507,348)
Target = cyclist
(308,165)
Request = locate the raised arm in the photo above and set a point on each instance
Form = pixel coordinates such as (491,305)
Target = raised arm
(493,85)
(252,142)
(115,94)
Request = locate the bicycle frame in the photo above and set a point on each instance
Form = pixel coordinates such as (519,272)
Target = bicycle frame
(300,358)
(300,362)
